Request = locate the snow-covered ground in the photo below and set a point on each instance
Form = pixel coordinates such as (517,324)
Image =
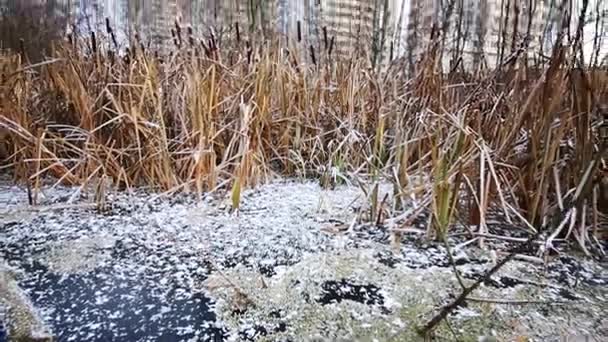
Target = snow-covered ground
(289,266)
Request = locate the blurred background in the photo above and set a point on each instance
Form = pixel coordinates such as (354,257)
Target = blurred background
(480,32)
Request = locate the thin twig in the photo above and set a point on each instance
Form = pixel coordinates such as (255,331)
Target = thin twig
(431,324)
(515,301)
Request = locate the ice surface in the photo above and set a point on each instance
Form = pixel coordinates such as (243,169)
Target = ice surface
(142,270)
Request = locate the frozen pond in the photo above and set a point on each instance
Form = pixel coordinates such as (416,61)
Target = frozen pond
(292,264)
(136,272)
(115,301)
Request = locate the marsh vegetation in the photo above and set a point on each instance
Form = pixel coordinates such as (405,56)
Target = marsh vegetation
(523,143)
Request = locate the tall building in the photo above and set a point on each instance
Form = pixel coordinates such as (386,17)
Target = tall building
(90,15)
(369,28)
(488,32)
(480,32)
(510,26)
(595,32)
(350,22)
(422,16)
(306,14)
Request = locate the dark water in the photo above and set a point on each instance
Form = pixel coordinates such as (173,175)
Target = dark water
(3,337)
(116,302)
(337,291)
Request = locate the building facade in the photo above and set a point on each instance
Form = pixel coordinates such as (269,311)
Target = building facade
(478,33)
(488,32)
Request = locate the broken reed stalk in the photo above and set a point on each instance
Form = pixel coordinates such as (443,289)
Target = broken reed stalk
(583,192)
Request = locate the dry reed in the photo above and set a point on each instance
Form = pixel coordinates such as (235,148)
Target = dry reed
(519,138)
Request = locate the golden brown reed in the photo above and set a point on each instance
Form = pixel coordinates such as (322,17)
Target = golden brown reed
(519,138)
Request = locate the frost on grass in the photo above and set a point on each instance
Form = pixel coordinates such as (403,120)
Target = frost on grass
(82,255)
(285,267)
(337,294)
(23,320)
(293,304)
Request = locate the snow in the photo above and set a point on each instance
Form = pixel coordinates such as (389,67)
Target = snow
(155,267)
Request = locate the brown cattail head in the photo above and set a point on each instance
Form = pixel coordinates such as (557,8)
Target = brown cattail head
(602,200)
(178,33)
(299,31)
(93,43)
(108,26)
(190,36)
(603,129)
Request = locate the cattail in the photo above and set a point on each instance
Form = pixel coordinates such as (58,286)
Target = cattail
(603,195)
(238,32)
(211,48)
(127,58)
(111,57)
(212,41)
(111,33)
(190,36)
(173,35)
(249,53)
(93,43)
(312,55)
(140,43)
(294,63)
(22,48)
(178,31)
(331,45)
(30,197)
(603,129)
(206,49)
(299,32)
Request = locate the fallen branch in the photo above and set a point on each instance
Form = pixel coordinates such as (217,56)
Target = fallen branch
(430,325)
(523,257)
(582,192)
